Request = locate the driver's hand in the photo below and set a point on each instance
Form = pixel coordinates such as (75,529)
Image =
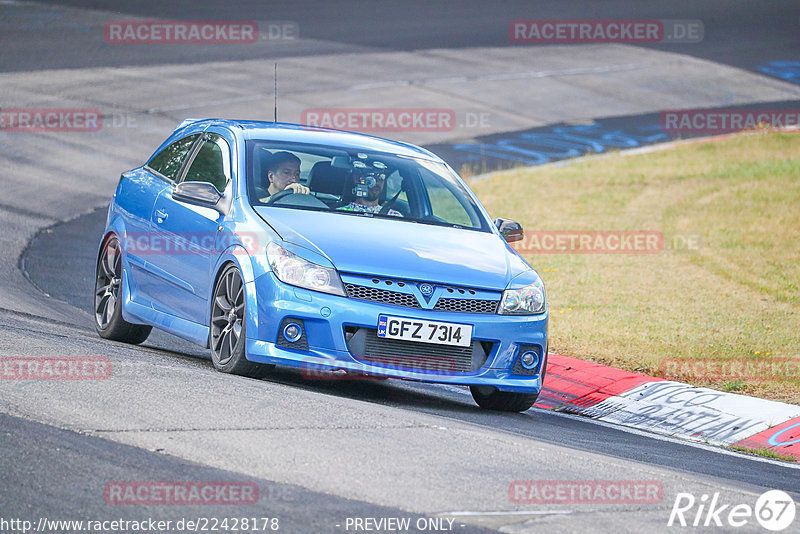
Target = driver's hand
(298,188)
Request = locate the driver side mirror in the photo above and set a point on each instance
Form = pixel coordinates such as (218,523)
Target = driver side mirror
(510,230)
(201,194)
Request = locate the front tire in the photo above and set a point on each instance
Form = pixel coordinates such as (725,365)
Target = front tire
(491,398)
(108,319)
(227,328)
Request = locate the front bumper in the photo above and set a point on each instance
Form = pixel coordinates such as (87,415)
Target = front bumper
(325,319)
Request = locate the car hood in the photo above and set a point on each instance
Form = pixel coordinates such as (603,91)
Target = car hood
(400,249)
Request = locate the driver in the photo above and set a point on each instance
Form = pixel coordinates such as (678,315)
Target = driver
(367,188)
(283,174)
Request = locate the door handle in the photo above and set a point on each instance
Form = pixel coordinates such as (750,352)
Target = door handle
(161,215)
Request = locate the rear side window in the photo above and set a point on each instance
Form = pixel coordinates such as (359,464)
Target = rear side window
(168,162)
(212,163)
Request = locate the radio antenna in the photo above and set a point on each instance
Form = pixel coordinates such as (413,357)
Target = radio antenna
(275,116)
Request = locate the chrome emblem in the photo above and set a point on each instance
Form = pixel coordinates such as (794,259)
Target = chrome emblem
(426,289)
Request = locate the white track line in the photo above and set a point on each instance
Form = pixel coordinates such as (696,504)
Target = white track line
(469,513)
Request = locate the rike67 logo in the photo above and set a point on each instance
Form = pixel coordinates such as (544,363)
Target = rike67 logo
(773,510)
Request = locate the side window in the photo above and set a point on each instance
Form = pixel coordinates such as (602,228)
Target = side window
(168,161)
(393,183)
(212,163)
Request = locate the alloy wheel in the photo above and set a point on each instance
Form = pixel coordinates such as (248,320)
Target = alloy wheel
(227,316)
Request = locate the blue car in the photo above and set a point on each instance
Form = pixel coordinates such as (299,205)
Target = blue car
(330,251)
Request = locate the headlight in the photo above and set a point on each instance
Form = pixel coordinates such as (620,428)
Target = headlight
(526,301)
(296,271)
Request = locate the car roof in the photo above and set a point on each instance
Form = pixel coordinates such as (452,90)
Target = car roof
(298,133)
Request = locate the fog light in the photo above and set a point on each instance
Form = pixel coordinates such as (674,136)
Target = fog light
(529,359)
(292,332)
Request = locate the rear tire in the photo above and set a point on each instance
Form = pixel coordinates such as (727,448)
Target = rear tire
(227,327)
(108,319)
(491,398)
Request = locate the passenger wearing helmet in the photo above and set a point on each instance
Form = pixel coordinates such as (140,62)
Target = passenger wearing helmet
(368,187)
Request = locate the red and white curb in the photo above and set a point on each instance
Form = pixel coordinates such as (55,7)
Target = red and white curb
(670,408)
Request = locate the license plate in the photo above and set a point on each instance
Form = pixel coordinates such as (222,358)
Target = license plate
(424,331)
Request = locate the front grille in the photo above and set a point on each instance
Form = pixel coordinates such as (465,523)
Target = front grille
(467,305)
(407,300)
(423,357)
(373,294)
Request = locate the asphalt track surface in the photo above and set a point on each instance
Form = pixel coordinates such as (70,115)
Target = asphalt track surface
(738,32)
(320,451)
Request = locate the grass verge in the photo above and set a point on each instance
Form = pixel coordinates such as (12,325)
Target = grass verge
(719,305)
(765,452)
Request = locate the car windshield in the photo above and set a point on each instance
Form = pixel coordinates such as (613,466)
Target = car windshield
(358,183)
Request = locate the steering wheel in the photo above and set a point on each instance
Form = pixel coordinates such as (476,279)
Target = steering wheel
(279,195)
